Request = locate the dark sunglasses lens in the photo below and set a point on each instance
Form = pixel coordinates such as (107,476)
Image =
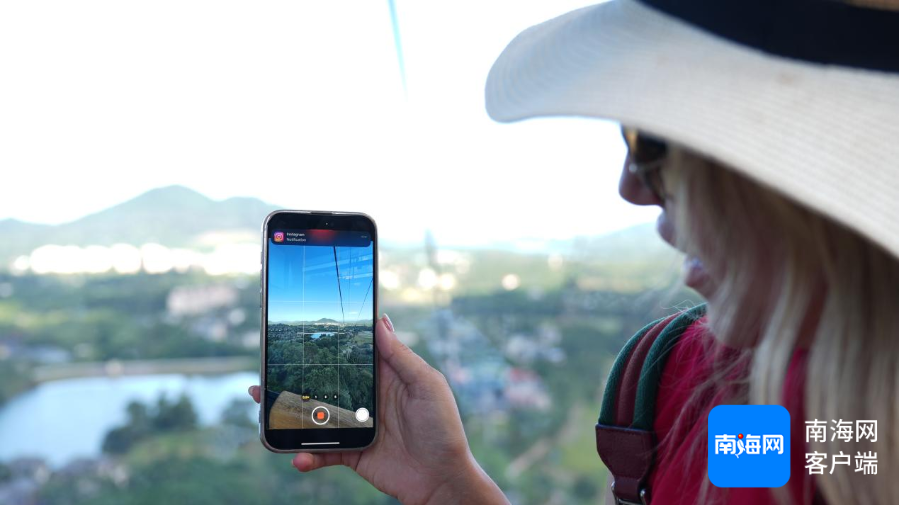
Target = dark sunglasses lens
(650,149)
(643,148)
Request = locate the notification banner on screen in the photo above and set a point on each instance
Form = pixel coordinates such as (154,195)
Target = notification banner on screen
(321,237)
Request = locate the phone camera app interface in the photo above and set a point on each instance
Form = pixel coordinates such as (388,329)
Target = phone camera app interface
(320,330)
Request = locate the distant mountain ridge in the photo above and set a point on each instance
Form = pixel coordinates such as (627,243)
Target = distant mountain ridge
(174,216)
(177,216)
(320,320)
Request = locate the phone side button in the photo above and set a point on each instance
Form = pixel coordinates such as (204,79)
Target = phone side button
(260,298)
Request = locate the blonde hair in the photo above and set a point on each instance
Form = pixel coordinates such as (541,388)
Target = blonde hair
(789,278)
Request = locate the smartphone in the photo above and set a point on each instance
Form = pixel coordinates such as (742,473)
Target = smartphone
(319,301)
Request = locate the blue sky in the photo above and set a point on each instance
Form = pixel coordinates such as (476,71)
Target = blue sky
(303,283)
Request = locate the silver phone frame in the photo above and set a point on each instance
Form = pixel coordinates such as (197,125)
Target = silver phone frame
(263,307)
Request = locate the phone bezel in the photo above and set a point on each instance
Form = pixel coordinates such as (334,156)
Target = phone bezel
(291,440)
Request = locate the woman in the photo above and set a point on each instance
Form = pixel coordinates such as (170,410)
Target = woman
(766,133)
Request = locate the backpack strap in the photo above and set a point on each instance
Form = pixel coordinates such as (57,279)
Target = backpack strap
(625,439)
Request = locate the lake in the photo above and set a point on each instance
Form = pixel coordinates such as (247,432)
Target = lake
(61,420)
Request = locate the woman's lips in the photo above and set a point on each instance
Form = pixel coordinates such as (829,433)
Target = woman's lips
(695,275)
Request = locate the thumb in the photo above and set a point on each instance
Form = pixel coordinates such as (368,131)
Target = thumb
(305,462)
(408,365)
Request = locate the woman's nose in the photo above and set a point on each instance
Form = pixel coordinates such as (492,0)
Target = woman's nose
(632,189)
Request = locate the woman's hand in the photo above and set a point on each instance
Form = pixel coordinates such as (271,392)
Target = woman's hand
(421,454)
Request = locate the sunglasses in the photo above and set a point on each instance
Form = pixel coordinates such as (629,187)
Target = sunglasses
(646,155)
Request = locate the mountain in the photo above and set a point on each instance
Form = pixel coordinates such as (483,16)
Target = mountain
(304,322)
(174,216)
(17,234)
(635,243)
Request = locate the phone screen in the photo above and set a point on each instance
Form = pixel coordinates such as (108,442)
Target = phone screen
(319,346)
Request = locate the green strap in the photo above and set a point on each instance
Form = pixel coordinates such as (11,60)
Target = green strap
(607,410)
(651,372)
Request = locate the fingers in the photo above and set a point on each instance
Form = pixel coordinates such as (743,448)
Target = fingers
(305,462)
(408,365)
(255,393)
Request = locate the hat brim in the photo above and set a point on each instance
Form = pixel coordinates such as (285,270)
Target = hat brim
(825,136)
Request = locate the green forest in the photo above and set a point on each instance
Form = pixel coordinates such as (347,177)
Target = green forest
(290,344)
(322,350)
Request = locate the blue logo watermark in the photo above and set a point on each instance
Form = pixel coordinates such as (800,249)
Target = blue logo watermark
(749,446)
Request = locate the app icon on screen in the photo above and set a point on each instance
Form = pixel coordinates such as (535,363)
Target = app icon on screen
(279,237)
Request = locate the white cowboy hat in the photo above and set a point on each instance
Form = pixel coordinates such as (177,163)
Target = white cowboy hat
(801,96)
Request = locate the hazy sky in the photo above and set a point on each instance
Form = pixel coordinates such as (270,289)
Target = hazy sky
(297,103)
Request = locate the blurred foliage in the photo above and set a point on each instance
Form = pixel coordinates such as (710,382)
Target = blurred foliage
(101,318)
(111,317)
(167,459)
(591,327)
(186,468)
(143,422)
(15,377)
(235,414)
(590,302)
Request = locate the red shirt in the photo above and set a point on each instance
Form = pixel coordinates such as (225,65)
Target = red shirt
(681,458)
